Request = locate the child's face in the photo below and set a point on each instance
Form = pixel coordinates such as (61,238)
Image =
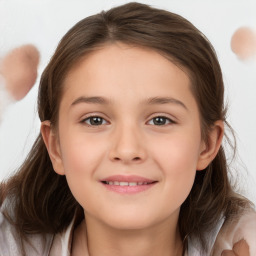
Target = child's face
(148,125)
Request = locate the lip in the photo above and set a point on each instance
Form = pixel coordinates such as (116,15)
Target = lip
(127,178)
(128,189)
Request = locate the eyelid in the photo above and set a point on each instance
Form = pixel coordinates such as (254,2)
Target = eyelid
(168,117)
(88,116)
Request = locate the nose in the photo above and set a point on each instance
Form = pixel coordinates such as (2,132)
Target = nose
(127,145)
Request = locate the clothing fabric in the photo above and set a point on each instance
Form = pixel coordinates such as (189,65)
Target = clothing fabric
(222,237)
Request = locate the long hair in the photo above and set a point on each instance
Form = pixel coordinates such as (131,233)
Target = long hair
(41,199)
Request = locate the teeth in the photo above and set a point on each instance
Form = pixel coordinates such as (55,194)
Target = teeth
(124,183)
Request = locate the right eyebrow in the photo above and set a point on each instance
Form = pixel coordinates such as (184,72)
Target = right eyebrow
(91,100)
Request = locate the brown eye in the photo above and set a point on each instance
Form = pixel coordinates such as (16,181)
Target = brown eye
(160,120)
(94,121)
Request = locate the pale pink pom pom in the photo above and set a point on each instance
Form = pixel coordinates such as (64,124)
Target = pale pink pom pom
(243,43)
(19,69)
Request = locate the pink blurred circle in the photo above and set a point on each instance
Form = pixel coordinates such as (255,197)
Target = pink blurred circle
(243,43)
(19,69)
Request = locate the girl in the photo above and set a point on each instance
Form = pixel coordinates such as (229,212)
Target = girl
(129,160)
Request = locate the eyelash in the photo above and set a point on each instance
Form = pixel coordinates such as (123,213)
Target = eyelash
(90,118)
(95,116)
(165,118)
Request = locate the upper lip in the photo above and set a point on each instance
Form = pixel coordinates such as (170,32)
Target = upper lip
(127,178)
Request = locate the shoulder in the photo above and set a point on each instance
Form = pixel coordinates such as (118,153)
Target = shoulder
(236,229)
(8,237)
(11,242)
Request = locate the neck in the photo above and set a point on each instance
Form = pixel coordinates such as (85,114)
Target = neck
(97,239)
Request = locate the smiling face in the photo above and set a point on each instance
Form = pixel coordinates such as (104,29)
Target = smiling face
(128,111)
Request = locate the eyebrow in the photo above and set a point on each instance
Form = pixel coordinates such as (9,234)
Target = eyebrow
(165,100)
(91,100)
(150,101)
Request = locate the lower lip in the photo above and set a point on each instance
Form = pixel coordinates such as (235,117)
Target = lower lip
(128,189)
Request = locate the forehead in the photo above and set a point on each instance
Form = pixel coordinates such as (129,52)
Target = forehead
(123,71)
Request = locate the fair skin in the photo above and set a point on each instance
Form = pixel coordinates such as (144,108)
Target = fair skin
(240,248)
(137,134)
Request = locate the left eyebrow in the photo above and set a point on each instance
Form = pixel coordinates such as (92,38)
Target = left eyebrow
(165,100)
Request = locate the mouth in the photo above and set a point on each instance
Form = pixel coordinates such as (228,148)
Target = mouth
(124,183)
(127,184)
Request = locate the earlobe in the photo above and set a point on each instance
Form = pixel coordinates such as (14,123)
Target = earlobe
(212,147)
(52,144)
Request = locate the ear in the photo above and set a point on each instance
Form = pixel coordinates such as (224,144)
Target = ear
(52,144)
(210,149)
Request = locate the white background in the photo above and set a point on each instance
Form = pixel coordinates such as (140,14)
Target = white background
(44,22)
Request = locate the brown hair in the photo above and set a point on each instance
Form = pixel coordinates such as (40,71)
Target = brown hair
(41,199)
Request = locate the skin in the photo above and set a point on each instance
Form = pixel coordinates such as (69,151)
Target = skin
(129,142)
(240,248)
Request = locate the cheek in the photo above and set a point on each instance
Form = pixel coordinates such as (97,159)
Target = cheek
(80,160)
(80,157)
(179,152)
(177,158)
(80,153)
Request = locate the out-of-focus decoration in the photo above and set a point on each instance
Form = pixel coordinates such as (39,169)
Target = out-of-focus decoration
(18,74)
(19,69)
(243,43)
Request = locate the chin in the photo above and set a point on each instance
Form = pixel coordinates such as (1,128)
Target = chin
(129,221)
